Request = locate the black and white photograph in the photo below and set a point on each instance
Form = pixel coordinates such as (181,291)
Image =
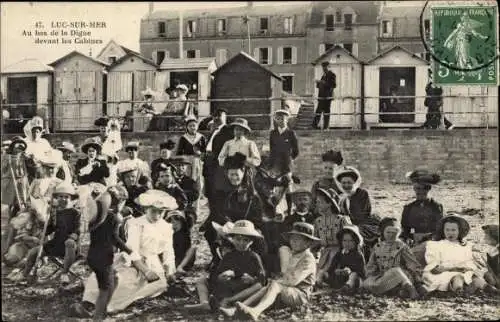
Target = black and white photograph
(250,161)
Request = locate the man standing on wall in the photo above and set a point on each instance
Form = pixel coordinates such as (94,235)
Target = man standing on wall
(325,91)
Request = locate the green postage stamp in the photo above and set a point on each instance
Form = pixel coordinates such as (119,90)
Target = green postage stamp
(464,44)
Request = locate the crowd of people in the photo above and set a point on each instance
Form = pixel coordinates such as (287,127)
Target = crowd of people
(270,242)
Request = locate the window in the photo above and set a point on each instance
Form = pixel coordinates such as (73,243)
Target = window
(264,24)
(386,28)
(328,47)
(348,47)
(287,83)
(329,23)
(111,59)
(263,56)
(160,56)
(427,28)
(338,16)
(348,21)
(191,54)
(289,25)
(161,29)
(221,26)
(287,55)
(191,24)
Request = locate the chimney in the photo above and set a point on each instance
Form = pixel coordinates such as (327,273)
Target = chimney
(151,7)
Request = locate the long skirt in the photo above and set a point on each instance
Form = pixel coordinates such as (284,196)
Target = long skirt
(384,282)
(132,286)
(441,282)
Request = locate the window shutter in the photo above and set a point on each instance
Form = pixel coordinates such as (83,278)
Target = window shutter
(256,54)
(154,56)
(389,28)
(270,55)
(294,55)
(280,55)
(185,54)
(197,53)
(321,49)
(167,54)
(355,49)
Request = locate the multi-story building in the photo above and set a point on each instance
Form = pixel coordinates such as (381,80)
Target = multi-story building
(286,39)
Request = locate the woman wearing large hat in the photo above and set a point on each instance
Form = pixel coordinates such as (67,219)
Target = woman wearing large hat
(143,275)
(421,216)
(91,168)
(36,146)
(332,160)
(355,203)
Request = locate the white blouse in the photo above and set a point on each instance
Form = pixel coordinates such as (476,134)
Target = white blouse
(148,240)
(244,146)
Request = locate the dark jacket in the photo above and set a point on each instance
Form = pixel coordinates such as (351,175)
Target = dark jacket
(423,216)
(155,167)
(327,84)
(190,188)
(224,135)
(65,224)
(99,172)
(284,148)
(175,191)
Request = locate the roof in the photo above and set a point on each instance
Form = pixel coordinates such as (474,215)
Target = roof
(189,63)
(396,48)
(133,54)
(74,53)
(28,65)
(331,50)
(128,50)
(401,11)
(249,58)
(113,42)
(366,11)
(257,10)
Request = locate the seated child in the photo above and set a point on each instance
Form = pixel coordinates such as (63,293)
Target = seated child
(185,253)
(392,265)
(104,237)
(189,186)
(224,246)
(66,228)
(240,272)
(450,263)
(348,265)
(295,285)
(166,182)
(493,274)
(328,223)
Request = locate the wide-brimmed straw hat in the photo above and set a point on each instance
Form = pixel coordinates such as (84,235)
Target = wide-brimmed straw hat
(182,159)
(332,156)
(353,229)
(132,145)
(182,87)
(93,142)
(177,214)
(453,217)
(17,140)
(423,177)
(302,229)
(102,121)
(52,158)
(169,145)
(223,230)
(282,112)
(241,122)
(157,199)
(67,146)
(245,228)
(330,195)
(6,143)
(66,188)
(348,171)
(126,166)
(300,192)
(147,92)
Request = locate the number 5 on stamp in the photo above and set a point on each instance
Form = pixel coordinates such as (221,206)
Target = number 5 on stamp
(464,44)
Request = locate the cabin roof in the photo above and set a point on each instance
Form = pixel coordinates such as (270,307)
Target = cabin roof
(248,58)
(28,65)
(75,53)
(333,49)
(133,54)
(189,63)
(397,47)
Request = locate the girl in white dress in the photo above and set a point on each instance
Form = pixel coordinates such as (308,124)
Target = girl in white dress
(142,274)
(450,264)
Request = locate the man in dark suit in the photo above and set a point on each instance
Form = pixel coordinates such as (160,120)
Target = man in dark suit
(325,90)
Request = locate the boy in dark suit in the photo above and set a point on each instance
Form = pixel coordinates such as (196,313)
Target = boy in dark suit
(284,149)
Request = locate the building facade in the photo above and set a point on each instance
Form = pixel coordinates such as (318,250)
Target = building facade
(285,39)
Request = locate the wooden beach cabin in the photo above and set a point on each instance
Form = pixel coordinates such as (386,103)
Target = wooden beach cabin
(243,77)
(195,73)
(78,91)
(405,73)
(28,85)
(346,109)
